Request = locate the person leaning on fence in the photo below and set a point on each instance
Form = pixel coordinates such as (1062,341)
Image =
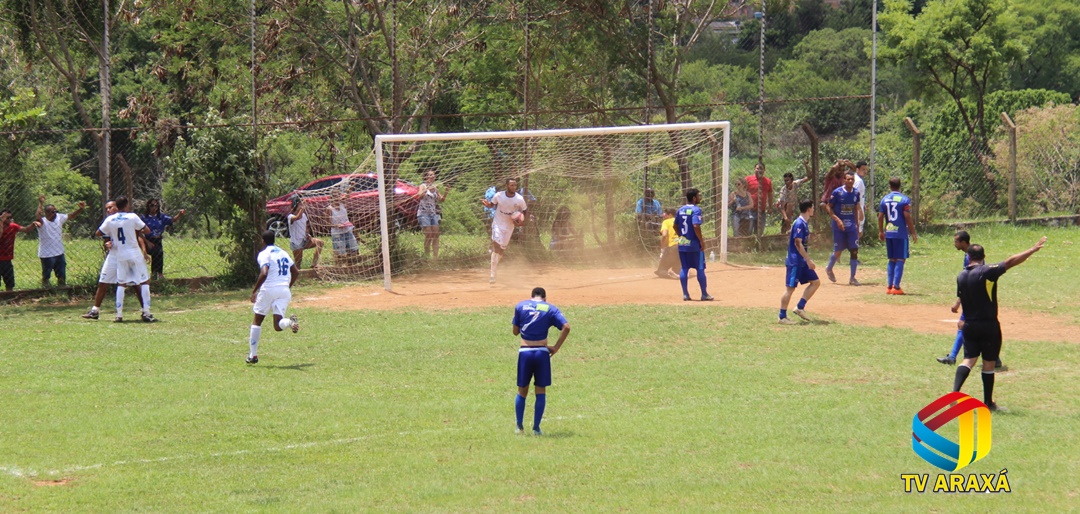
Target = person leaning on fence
(341,229)
(157,222)
(742,209)
(299,240)
(788,199)
(648,210)
(51,241)
(8,230)
(427,213)
(833,179)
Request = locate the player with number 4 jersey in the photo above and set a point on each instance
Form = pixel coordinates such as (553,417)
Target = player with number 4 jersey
(894,225)
(272,293)
(123,230)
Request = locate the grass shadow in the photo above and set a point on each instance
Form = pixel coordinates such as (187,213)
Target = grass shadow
(293,367)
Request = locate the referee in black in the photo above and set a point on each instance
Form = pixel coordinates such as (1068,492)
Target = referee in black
(976,287)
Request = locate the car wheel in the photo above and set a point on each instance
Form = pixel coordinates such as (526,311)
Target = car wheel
(278,226)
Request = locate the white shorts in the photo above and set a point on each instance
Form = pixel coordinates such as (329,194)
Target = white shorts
(274,300)
(501,235)
(131,272)
(108,270)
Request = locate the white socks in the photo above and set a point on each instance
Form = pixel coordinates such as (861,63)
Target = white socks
(285,323)
(145,288)
(253,340)
(494,263)
(120,300)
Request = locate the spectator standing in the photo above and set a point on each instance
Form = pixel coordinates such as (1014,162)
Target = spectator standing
(833,179)
(742,209)
(299,240)
(761,192)
(860,172)
(788,199)
(648,210)
(8,230)
(157,222)
(341,229)
(51,241)
(427,213)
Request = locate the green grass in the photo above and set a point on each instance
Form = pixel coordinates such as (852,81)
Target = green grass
(684,408)
(1045,283)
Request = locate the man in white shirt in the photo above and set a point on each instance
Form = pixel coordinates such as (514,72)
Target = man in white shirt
(299,240)
(51,241)
(123,230)
(860,186)
(272,293)
(509,206)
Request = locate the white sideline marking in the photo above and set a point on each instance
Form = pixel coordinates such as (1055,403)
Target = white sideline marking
(30,473)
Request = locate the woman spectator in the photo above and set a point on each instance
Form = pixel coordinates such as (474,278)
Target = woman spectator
(834,178)
(157,221)
(427,213)
(742,209)
(299,240)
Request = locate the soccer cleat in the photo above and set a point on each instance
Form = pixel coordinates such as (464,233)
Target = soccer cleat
(787,321)
(830,274)
(686,298)
(537,432)
(898,291)
(519,431)
(295,324)
(889,290)
(801,313)
(1000,366)
(91,314)
(252,360)
(491,281)
(947,360)
(707,298)
(854,282)
(149,318)
(994,408)
(119,319)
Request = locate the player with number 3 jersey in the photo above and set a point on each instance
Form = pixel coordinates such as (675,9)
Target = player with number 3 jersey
(691,244)
(272,293)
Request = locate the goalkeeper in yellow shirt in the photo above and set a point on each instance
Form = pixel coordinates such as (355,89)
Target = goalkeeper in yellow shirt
(669,249)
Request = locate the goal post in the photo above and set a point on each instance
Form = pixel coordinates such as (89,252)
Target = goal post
(582,168)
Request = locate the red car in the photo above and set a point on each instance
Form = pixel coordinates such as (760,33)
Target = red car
(362,203)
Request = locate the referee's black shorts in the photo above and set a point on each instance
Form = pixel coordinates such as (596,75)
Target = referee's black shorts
(982,338)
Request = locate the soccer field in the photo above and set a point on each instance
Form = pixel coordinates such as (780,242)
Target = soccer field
(656,406)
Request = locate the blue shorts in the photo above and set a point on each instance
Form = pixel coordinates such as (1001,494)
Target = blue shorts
(534,362)
(692,260)
(845,240)
(344,243)
(428,221)
(896,248)
(801,274)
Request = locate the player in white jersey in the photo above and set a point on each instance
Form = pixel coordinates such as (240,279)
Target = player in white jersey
(277,274)
(508,205)
(108,271)
(124,229)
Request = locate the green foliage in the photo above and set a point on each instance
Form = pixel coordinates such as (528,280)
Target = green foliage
(219,159)
(1048,160)
(1051,30)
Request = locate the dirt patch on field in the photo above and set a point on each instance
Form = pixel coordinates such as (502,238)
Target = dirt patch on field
(733,286)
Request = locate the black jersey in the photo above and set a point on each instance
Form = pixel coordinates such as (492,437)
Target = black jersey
(976,287)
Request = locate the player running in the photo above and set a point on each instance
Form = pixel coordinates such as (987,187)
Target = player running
(843,208)
(962,241)
(124,230)
(691,244)
(976,287)
(272,293)
(532,319)
(894,225)
(800,268)
(507,204)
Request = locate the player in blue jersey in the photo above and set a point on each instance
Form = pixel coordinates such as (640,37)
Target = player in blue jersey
(532,319)
(962,241)
(800,268)
(843,209)
(894,225)
(691,244)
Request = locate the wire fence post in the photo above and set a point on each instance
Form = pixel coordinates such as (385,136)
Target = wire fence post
(1011,127)
(916,148)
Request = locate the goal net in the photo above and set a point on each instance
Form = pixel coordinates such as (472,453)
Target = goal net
(594,196)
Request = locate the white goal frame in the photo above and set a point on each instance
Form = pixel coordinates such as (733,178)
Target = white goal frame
(382,139)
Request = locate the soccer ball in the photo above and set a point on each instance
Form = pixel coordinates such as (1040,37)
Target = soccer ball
(518,218)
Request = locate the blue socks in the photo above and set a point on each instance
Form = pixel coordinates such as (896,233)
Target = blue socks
(684,274)
(519,409)
(783,313)
(802,303)
(541,402)
(891,272)
(959,343)
(899,273)
(701,282)
(854,265)
(832,260)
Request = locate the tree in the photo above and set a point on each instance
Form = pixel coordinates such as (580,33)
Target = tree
(961,48)
(1051,29)
(1048,158)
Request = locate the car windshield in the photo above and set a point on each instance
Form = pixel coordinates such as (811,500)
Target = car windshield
(322,184)
(359,184)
